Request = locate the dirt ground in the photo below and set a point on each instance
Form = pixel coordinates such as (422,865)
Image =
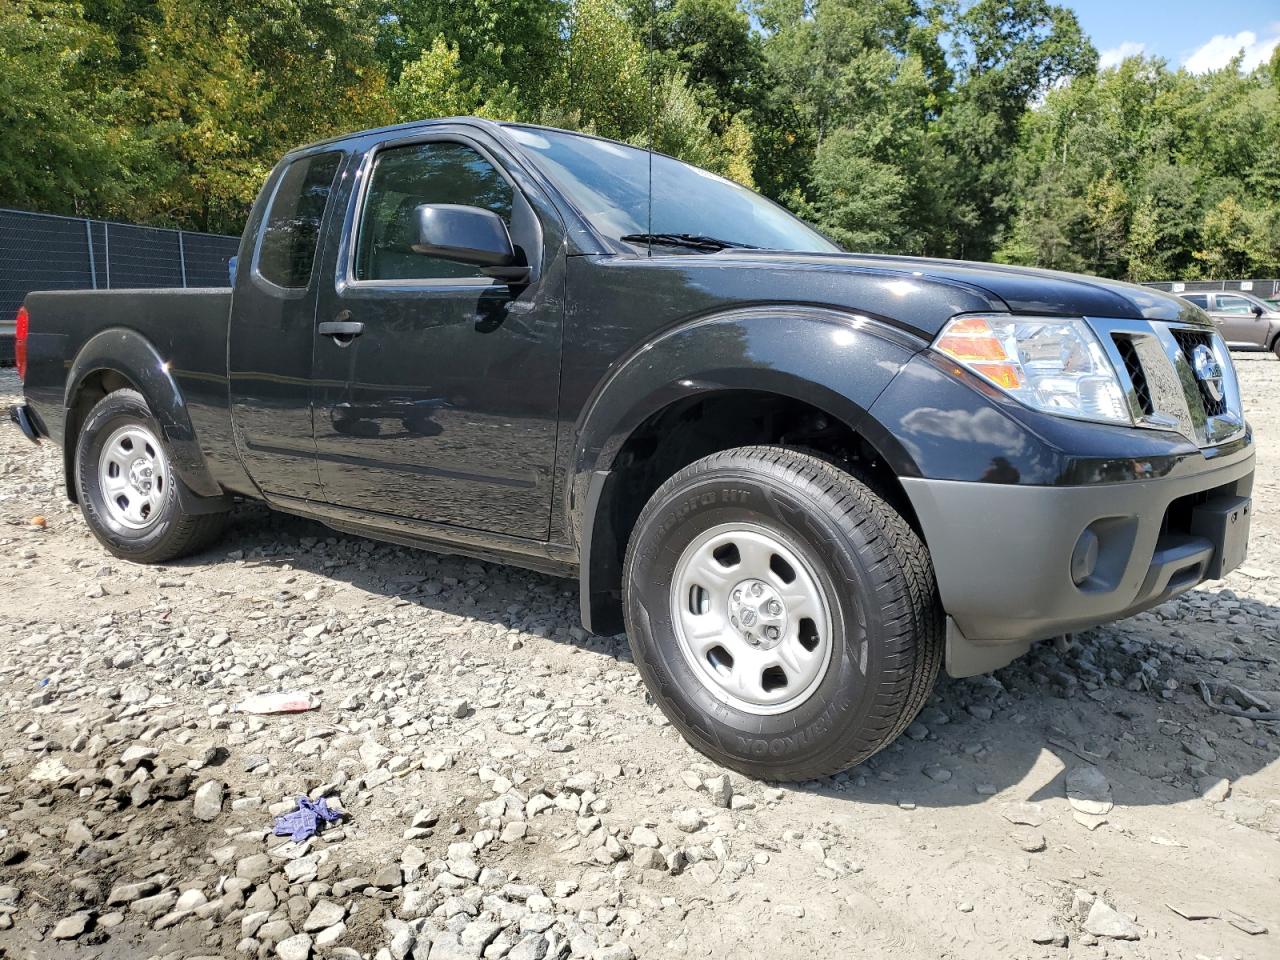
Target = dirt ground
(509,790)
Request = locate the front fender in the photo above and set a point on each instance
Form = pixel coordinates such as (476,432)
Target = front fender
(833,360)
(131,355)
(837,361)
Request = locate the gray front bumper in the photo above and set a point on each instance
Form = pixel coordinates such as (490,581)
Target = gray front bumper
(1002,553)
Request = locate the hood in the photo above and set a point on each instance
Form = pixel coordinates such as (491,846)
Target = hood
(1020,289)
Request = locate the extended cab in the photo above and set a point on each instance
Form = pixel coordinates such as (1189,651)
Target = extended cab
(800,479)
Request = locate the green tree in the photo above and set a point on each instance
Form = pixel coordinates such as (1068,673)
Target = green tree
(61,145)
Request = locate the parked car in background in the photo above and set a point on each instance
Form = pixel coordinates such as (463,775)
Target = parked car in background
(1245,321)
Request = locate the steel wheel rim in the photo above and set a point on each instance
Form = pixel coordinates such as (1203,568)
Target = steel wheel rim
(133,476)
(750,618)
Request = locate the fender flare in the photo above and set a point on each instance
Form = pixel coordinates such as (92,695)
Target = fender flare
(130,355)
(837,361)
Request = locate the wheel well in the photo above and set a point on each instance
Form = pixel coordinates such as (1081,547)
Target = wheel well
(92,389)
(686,431)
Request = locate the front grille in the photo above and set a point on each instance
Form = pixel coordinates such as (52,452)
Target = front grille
(1188,340)
(1155,362)
(1133,366)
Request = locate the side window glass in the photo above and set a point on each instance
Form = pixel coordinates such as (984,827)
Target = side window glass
(1234,305)
(288,248)
(1200,300)
(403,178)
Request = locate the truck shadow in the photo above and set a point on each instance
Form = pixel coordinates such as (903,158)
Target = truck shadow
(1125,698)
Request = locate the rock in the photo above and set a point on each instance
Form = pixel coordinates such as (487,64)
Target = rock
(330,935)
(531,947)
(297,947)
(1252,927)
(190,900)
(324,914)
(720,790)
(155,906)
(208,801)
(643,836)
(615,951)
(389,877)
(649,858)
(1105,921)
(69,928)
(478,934)
(77,833)
(49,770)
(1081,901)
(1088,820)
(688,821)
(447,946)
(1025,814)
(129,892)
(1194,912)
(136,756)
(1214,789)
(1050,935)
(1088,790)
(253,868)
(1028,839)
(937,773)
(1199,748)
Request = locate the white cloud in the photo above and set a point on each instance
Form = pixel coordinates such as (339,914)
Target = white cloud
(1114,56)
(1217,52)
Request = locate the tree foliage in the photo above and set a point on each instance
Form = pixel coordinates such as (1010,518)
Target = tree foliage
(1143,172)
(936,127)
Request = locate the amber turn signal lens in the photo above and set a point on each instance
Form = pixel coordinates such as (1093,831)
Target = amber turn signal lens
(972,342)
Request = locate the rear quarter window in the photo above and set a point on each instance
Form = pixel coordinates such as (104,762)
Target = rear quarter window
(287,250)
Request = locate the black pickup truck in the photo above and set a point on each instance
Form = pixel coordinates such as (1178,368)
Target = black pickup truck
(799,479)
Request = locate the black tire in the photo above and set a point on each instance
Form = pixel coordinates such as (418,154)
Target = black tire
(868,562)
(171,532)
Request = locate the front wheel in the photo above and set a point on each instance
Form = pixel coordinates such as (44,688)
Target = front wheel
(128,489)
(783,615)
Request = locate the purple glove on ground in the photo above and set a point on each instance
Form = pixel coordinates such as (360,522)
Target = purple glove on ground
(305,821)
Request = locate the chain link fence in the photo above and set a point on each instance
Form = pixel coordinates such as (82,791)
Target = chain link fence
(39,251)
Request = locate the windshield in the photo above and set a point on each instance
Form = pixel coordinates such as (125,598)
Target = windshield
(609,184)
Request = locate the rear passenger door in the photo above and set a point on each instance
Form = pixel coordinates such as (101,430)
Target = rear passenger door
(271,328)
(442,408)
(1236,319)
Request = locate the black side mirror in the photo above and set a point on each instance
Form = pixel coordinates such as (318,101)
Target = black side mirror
(468,235)
(1257,310)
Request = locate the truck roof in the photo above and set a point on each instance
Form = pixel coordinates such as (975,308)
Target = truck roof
(481,122)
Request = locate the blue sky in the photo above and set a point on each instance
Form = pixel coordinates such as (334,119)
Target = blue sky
(1200,34)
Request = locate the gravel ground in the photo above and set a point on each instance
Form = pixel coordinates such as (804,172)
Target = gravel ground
(507,789)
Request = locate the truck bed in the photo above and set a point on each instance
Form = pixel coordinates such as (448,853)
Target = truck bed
(187,329)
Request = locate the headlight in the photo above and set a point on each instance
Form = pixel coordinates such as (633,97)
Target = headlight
(1052,364)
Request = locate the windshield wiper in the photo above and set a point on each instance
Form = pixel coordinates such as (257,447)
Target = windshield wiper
(693,241)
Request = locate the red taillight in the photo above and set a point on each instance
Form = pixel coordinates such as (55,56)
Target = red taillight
(20,342)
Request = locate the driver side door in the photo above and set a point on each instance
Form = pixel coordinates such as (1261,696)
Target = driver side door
(442,406)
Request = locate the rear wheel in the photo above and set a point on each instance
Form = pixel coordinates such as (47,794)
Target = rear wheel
(783,615)
(127,488)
